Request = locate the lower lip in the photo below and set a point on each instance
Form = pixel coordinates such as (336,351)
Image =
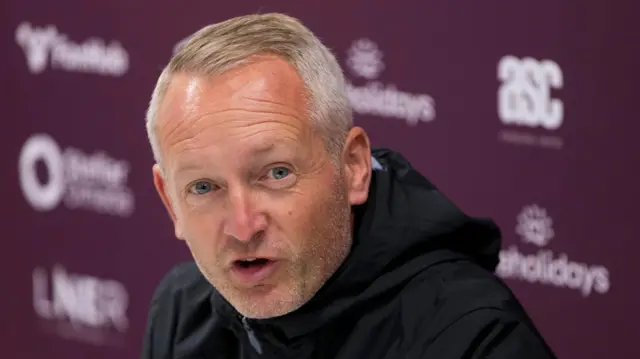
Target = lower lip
(253,274)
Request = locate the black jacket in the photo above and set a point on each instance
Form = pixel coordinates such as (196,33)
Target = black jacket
(418,283)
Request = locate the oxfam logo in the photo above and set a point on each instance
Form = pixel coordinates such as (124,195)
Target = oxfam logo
(42,196)
(365,59)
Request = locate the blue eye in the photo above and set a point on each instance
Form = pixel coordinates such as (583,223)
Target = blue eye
(202,187)
(279,172)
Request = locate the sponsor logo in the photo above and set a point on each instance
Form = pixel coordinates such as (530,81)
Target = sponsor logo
(525,102)
(93,182)
(180,44)
(46,46)
(80,307)
(535,227)
(365,60)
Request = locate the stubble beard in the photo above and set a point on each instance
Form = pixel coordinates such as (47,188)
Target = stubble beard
(328,244)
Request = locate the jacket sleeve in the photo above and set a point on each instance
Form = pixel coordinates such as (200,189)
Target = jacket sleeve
(157,340)
(147,341)
(488,333)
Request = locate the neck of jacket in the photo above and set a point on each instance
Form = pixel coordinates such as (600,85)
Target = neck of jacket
(405,227)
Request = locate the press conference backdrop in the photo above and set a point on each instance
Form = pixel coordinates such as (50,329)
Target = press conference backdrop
(524,111)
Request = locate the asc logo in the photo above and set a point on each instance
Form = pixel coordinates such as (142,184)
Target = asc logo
(524,98)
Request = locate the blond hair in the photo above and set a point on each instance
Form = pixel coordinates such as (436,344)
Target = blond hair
(220,47)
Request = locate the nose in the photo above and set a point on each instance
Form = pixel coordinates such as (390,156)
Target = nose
(243,221)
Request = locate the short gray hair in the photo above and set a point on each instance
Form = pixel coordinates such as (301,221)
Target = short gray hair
(220,47)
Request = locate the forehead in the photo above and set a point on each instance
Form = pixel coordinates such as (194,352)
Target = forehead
(263,79)
(249,105)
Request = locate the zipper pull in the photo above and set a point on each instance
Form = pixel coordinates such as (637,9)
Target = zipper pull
(252,336)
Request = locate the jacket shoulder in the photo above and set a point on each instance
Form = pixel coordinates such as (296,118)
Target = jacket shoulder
(461,302)
(182,278)
(180,309)
(458,287)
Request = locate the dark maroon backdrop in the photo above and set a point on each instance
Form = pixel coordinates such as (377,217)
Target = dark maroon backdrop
(524,111)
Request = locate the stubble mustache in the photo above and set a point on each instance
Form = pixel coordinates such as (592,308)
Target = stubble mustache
(258,246)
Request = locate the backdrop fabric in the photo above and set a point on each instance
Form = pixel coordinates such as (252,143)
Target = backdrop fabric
(521,111)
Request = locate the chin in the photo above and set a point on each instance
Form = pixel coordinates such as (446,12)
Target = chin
(265,303)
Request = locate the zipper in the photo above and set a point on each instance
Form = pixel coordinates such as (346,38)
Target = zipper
(253,340)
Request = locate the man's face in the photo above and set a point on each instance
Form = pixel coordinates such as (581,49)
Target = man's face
(251,188)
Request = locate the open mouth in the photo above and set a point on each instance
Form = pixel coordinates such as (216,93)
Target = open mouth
(253,270)
(251,263)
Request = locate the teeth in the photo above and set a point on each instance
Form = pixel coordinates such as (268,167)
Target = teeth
(250,259)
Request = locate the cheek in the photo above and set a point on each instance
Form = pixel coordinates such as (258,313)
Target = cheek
(291,220)
(196,214)
(201,233)
(305,218)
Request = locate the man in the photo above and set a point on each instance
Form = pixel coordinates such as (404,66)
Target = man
(307,243)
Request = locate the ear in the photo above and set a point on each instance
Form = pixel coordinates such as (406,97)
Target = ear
(357,165)
(161,187)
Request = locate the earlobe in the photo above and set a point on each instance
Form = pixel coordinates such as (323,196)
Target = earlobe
(178,231)
(161,188)
(358,165)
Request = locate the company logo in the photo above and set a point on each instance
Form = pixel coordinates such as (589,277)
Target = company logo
(525,100)
(81,307)
(180,44)
(94,182)
(524,97)
(46,46)
(365,60)
(535,227)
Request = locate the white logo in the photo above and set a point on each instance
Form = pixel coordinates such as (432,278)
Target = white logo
(535,227)
(365,61)
(96,182)
(524,97)
(83,302)
(180,44)
(45,45)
